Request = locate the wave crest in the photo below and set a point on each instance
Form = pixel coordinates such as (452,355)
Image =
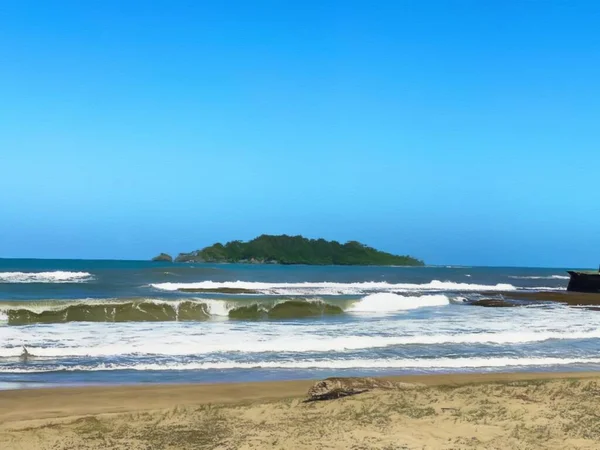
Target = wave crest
(160,310)
(154,310)
(138,311)
(388,302)
(45,277)
(327,288)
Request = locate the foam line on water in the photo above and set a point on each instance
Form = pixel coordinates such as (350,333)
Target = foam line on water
(533,277)
(331,288)
(45,277)
(59,305)
(388,302)
(256,343)
(424,363)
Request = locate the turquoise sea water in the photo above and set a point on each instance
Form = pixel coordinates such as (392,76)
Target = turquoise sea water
(94,322)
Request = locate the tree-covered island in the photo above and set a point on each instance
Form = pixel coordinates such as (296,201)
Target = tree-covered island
(268,249)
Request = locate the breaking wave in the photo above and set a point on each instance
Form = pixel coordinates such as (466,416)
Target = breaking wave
(44,277)
(416,363)
(157,310)
(93,311)
(164,311)
(388,302)
(326,288)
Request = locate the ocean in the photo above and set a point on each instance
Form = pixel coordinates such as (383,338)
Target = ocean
(118,322)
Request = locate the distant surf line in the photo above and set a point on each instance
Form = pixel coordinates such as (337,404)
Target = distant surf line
(57,276)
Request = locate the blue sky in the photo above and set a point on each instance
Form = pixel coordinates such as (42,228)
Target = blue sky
(462,132)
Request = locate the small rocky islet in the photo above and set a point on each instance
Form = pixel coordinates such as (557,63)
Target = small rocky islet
(163,257)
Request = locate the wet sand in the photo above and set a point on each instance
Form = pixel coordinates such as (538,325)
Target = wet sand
(487,411)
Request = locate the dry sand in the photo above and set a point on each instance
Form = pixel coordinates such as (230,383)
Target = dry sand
(485,411)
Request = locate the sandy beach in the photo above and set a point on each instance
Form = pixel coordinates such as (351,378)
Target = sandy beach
(487,411)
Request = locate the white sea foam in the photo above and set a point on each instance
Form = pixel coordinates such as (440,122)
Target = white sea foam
(44,277)
(424,363)
(464,330)
(388,302)
(551,277)
(330,288)
(218,307)
(195,345)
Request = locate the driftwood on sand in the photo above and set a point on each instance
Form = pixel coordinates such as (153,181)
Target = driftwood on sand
(338,387)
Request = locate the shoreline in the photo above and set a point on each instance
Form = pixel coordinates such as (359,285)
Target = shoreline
(27,404)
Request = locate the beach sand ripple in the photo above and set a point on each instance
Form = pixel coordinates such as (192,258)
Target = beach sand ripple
(505,412)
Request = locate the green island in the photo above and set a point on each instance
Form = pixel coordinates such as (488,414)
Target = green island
(163,257)
(283,249)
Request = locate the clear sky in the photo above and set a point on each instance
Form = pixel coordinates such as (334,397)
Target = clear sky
(461,132)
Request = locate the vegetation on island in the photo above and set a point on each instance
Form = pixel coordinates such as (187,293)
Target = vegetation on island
(163,257)
(268,249)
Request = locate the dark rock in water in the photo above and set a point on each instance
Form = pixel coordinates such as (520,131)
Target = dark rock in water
(567,297)
(588,281)
(495,303)
(163,257)
(332,388)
